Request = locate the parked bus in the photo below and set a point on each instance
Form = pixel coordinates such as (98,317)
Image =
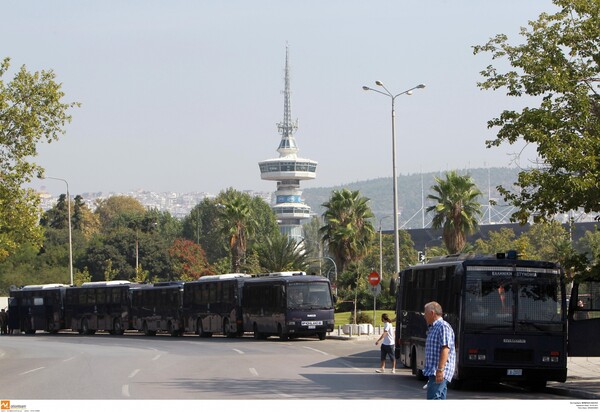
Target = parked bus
(97,306)
(287,305)
(508,315)
(37,307)
(584,318)
(157,308)
(213,304)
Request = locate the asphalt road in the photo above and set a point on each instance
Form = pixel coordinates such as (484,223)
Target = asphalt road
(70,366)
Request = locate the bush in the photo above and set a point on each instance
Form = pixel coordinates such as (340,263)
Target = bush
(361,317)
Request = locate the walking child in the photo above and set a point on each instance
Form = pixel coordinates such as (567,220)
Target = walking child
(387,344)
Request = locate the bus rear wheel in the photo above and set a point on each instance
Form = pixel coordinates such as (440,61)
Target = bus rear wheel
(537,386)
(118,327)
(172,330)
(227,329)
(200,330)
(257,334)
(413,365)
(85,330)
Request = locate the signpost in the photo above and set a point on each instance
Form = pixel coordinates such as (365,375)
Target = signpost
(374,280)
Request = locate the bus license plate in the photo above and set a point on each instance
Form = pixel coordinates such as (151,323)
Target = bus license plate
(514,372)
(312,323)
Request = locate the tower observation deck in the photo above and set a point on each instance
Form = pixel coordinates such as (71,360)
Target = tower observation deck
(288,170)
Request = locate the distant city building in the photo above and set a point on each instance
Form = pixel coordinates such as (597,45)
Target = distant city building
(178,205)
(288,170)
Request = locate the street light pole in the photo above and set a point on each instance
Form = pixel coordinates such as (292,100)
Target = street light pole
(69,221)
(394,175)
(381,248)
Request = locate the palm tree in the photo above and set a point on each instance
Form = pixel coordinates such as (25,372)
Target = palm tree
(456,209)
(347,230)
(281,253)
(237,224)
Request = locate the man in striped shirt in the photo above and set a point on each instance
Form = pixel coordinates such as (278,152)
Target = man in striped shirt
(440,355)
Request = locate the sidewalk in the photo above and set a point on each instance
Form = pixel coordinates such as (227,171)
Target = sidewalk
(583,374)
(583,379)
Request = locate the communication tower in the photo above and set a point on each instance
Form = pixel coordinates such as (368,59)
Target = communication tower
(288,170)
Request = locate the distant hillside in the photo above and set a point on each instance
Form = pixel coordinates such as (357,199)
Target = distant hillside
(412,191)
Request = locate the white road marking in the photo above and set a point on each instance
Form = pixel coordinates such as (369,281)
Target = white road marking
(157,357)
(349,365)
(132,374)
(69,359)
(238,351)
(316,350)
(125,391)
(32,370)
(253,372)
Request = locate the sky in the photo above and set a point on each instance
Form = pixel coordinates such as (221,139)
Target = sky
(185,96)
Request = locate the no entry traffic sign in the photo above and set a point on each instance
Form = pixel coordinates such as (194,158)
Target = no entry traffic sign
(374,278)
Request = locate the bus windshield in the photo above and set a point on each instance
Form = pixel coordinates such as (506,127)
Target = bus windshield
(506,299)
(313,295)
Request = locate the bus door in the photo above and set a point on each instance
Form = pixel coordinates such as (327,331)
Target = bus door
(584,319)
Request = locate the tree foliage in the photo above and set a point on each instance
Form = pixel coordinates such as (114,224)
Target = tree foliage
(280,253)
(456,209)
(238,224)
(559,65)
(202,226)
(188,260)
(31,111)
(119,211)
(348,231)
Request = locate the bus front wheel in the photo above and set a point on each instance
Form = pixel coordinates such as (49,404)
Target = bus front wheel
(145,329)
(282,336)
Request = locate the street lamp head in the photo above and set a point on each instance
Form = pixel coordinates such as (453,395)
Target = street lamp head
(409,92)
(378,83)
(366,88)
(421,86)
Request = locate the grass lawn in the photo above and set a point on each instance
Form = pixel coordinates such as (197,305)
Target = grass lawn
(343,318)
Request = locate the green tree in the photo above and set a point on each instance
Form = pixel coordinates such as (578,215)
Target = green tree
(548,240)
(31,111)
(119,211)
(57,217)
(280,253)
(313,246)
(84,219)
(237,224)
(348,231)
(456,209)
(589,249)
(499,241)
(558,64)
(202,226)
